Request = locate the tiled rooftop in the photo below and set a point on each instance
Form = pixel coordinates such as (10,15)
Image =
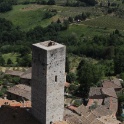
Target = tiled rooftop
(21,90)
(16,115)
(112,83)
(14,73)
(95,91)
(83,110)
(27,74)
(108,120)
(14,103)
(109,92)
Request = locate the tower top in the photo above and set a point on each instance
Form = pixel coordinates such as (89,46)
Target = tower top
(48,45)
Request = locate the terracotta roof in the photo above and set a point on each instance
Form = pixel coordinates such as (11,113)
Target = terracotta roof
(21,90)
(14,103)
(96,121)
(83,110)
(73,108)
(14,73)
(91,117)
(107,102)
(27,74)
(16,115)
(112,104)
(108,120)
(102,111)
(84,120)
(68,113)
(74,120)
(117,82)
(91,102)
(113,83)
(60,122)
(95,91)
(68,101)
(109,92)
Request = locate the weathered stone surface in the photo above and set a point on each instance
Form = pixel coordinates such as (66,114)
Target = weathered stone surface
(48,78)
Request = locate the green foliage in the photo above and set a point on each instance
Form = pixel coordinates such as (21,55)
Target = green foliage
(3,91)
(2,61)
(73,88)
(88,75)
(24,61)
(51,2)
(82,16)
(6,5)
(67,65)
(9,33)
(9,62)
(119,63)
(70,19)
(48,14)
(71,77)
(89,2)
(77,102)
(108,66)
(106,21)
(94,106)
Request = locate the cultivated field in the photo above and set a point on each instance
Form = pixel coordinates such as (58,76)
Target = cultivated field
(108,21)
(31,15)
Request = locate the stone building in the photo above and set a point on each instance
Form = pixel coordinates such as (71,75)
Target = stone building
(48,78)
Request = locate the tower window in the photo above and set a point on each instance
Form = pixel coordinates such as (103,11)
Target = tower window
(56,78)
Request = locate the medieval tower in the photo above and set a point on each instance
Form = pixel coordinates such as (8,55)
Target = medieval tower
(48,78)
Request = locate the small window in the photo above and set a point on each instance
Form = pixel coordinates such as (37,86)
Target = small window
(56,78)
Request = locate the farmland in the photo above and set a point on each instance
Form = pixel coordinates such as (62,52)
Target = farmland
(29,16)
(108,21)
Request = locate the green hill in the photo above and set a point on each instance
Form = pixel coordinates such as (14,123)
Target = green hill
(31,15)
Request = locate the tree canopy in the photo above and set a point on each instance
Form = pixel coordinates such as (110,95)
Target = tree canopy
(88,75)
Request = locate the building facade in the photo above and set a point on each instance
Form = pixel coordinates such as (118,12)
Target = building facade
(48,78)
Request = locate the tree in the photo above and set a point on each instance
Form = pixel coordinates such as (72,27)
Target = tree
(71,77)
(70,19)
(51,2)
(5,6)
(65,24)
(88,75)
(9,62)
(58,21)
(24,50)
(25,61)
(119,63)
(2,61)
(89,2)
(67,65)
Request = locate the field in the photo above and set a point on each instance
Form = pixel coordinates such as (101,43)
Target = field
(108,21)
(31,15)
(84,30)
(11,56)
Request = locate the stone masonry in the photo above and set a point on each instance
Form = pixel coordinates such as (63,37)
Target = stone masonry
(48,78)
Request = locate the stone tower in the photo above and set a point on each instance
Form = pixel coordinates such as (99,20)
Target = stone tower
(48,78)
